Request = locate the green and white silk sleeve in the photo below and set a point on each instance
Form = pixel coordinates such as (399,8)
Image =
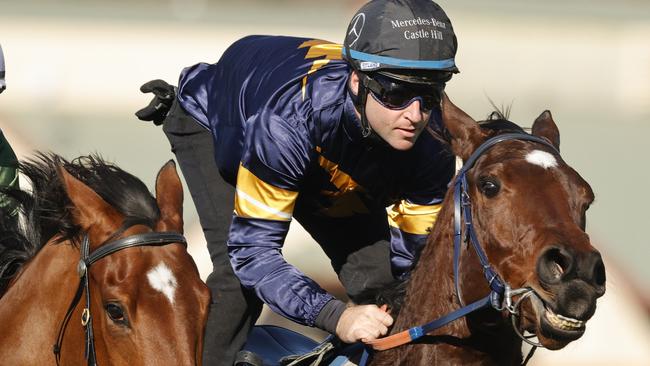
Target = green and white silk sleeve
(8,175)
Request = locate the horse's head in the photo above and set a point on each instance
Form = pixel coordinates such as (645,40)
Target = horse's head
(148,304)
(528,207)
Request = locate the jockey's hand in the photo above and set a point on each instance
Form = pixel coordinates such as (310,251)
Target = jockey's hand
(162,101)
(363,323)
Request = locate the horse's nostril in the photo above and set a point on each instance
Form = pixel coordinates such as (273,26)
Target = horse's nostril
(557,270)
(553,265)
(558,261)
(599,274)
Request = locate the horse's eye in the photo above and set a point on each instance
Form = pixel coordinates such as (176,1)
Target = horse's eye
(115,312)
(489,186)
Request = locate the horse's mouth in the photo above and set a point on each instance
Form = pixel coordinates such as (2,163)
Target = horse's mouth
(563,323)
(554,330)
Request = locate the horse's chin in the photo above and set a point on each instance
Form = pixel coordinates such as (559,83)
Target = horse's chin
(554,331)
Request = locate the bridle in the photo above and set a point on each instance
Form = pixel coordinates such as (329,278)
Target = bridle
(86,260)
(501,294)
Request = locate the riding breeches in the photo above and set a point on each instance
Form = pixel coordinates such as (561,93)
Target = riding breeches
(233,310)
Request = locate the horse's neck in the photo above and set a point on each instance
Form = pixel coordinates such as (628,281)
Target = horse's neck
(32,307)
(431,294)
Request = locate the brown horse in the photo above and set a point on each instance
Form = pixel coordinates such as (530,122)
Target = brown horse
(147,304)
(528,210)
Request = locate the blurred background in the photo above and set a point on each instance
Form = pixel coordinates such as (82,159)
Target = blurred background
(74,68)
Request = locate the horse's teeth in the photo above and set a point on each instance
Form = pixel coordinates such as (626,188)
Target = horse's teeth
(563,322)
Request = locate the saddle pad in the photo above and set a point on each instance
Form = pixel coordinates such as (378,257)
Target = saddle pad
(271,343)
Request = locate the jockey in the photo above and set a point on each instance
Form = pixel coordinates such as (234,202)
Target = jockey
(3,85)
(8,161)
(327,134)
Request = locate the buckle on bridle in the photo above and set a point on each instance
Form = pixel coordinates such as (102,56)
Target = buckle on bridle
(513,309)
(85,316)
(465,200)
(508,303)
(82,268)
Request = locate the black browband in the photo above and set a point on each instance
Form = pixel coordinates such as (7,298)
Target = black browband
(137,240)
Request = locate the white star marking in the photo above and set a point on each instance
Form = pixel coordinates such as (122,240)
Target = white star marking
(541,158)
(162,279)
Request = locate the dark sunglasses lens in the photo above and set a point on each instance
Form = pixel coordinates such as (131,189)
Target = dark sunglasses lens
(402,97)
(397,94)
(397,98)
(432,100)
(428,102)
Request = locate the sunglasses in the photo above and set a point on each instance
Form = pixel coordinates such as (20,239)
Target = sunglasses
(396,94)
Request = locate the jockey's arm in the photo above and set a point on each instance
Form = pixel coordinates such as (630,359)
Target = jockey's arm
(268,181)
(8,175)
(2,71)
(267,187)
(410,224)
(8,160)
(412,218)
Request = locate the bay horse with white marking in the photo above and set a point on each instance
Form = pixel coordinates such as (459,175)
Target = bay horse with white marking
(90,227)
(521,226)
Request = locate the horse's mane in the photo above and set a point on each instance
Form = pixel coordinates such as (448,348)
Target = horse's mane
(393,294)
(497,122)
(45,210)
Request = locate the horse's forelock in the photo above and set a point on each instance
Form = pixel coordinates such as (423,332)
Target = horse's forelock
(496,123)
(46,209)
(125,192)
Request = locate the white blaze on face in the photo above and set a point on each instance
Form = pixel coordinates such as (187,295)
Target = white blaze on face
(162,279)
(541,158)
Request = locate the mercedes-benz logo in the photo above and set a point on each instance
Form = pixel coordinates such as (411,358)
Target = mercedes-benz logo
(356,27)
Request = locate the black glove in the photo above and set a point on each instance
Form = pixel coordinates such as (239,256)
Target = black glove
(159,106)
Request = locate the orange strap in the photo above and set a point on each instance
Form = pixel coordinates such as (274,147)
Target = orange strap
(389,342)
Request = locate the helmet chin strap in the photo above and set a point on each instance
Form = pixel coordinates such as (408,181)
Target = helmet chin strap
(359,101)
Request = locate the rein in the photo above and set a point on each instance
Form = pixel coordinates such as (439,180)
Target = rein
(501,294)
(86,260)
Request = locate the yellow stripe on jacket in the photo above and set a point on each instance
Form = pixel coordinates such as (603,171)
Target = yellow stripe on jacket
(412,218)
(260,200)
(339,178)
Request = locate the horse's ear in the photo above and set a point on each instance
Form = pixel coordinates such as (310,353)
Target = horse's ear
(169,195)
(545,127)
(89,208)
(466,135)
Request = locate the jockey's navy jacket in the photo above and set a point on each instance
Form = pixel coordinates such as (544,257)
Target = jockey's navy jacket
(285,129)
